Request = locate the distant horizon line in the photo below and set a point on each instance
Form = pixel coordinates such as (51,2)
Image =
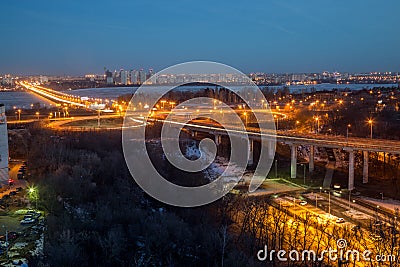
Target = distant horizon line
(247,73)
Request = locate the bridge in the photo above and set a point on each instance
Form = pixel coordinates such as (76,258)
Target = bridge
(63,98)
(295,139)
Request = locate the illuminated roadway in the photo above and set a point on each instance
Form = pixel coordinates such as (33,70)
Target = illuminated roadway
(377,145)
(292,137)
(60,97)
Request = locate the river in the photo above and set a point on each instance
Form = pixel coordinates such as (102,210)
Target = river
(22,99)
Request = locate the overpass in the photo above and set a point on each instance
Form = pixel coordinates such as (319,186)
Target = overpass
(295,139)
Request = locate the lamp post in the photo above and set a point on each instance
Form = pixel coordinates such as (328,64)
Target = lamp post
(19,114)
(371,122)
(377,207)
(304,173)
(349,199)
(317,120)
(245,116)
(37,114)
(33,194)
(98,117)
(316,197)
(347,132)
(277,122)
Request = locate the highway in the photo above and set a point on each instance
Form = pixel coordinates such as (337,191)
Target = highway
(62,98)
(355,143)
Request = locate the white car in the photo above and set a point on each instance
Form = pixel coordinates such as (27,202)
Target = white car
(303,203)
(340,220)
(28,220)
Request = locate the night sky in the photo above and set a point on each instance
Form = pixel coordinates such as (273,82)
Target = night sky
(78,37)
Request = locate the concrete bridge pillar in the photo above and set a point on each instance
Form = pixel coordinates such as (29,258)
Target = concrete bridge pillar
(293,161)
(311,159)
(250,160)
(271,149)
(365,167)
(351,170)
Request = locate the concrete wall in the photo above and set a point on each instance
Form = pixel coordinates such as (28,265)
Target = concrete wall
(3,146)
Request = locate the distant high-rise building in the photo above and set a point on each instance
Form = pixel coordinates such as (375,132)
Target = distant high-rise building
(124,77)
(134,76)
(116,77)
(109,77)
(142,76)
(3,146)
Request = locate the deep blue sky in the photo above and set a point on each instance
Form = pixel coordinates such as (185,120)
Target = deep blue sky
(78,37)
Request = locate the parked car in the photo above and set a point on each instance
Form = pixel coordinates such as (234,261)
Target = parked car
(4,244)
(336,186)
(12,235)
(29,220)
(13,193)
(340,220)
(29,216)
(376,238)
(303,203)
(18,189)
(33,213)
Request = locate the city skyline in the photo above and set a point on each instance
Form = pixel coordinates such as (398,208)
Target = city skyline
(276,37)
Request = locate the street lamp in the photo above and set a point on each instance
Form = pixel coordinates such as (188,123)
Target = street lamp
(347,132)
(317,120)
(304,173)
(349,199)
(245,116)
(329,203)
(277,122)
(37,114)
(382,195)
(371,122)
(163,103)
(33,194)
(19,114)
